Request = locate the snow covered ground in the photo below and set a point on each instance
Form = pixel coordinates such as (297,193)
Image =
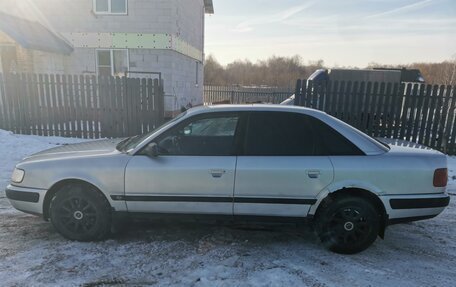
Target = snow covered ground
(190,254)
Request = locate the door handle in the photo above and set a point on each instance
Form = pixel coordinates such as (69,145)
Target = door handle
(217,173)
(313,173)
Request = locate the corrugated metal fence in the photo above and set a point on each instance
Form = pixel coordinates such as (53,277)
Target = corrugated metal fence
(414,112)
(79,106)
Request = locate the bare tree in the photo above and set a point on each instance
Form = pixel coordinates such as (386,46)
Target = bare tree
(274,72)
(284,71)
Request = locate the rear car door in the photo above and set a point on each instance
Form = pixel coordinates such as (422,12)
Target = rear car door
(193,173)
(279,171)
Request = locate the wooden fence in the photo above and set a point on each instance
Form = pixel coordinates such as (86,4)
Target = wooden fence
(413,112)
(79,106)
(244,95)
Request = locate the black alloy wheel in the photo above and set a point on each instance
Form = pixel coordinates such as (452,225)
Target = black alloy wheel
(348,225)
(80,212)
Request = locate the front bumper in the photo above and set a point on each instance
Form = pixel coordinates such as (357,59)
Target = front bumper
(406,208)
(29,200)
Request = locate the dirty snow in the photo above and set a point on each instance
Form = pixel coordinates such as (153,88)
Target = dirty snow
(189,254)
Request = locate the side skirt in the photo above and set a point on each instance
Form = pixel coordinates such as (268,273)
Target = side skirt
(212,218)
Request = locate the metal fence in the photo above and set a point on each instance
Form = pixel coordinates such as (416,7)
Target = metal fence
(413,112)
(244,95)
(79,106)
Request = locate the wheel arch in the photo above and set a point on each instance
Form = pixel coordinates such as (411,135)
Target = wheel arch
(366,194)
(58,185)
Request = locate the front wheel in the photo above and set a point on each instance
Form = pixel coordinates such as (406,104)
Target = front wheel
(347,225)
(80,212)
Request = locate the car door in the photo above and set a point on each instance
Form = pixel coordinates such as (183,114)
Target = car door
(278,173)
(193,173)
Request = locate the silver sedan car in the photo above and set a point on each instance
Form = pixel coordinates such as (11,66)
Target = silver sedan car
(255,162)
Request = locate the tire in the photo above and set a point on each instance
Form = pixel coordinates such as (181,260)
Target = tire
(80,212)
(347,225)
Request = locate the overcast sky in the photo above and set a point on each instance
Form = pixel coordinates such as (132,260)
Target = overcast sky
(341,32)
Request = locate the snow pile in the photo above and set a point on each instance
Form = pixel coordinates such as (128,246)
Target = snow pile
(13,148)
(169,253)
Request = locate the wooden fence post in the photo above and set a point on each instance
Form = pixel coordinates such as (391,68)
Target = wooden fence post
(161,102)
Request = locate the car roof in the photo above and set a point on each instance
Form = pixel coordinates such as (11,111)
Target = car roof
(253,107)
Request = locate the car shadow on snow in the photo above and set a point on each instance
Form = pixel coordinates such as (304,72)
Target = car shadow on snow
(16,227)
(216,232)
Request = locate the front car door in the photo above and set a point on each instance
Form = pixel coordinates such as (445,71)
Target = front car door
(194,171)
(279,172)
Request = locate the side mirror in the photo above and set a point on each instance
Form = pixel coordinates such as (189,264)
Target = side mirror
(151,150)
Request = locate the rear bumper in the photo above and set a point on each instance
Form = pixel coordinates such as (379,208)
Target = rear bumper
(413,203)
(406,208)
(29,200)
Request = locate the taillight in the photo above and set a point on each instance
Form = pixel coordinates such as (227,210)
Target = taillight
(440,177)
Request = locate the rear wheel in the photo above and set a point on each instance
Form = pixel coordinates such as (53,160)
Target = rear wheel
(81,212)
(347,225)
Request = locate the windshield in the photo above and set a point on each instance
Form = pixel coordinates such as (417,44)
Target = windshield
(132,142)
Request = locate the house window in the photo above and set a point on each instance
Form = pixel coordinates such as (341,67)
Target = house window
(110,7)
(112,62)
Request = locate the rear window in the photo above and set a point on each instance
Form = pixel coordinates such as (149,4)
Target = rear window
(278,134)
(293,134)
(330,142)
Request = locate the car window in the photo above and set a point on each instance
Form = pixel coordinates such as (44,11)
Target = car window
(331,142)
(132,142)
(278,134)
(209,136)
(212,127)
(288,134)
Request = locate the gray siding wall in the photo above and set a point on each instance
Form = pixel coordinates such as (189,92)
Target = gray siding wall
(144,16)
(190,21)
(179,74)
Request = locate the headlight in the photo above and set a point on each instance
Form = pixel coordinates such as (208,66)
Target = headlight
(18,175)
